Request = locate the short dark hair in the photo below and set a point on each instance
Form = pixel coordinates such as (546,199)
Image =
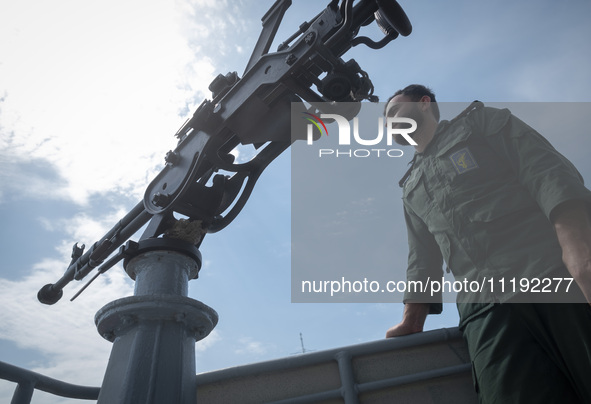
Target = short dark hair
(416,92)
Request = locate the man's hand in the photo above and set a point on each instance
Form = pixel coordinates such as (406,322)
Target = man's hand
(413,320)
(573,229)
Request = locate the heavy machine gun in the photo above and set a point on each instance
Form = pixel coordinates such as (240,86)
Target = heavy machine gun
(191,183)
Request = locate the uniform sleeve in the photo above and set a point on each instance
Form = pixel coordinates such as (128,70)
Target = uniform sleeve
(549,177)
(424,264)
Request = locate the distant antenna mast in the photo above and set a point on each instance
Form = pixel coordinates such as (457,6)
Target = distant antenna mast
(304,350)
(302,341)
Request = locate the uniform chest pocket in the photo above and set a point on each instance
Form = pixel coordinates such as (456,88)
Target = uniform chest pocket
(467,163)
(415,195)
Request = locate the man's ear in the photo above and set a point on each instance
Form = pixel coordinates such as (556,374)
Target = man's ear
(425,102)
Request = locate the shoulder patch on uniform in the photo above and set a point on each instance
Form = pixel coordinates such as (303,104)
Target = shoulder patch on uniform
(463,161)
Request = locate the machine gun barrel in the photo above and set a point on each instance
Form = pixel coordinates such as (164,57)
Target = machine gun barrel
(82,264)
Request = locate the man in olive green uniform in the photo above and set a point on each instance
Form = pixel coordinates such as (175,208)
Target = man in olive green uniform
(493,199)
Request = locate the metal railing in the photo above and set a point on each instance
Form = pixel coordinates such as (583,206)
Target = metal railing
(27,381)
(428,367)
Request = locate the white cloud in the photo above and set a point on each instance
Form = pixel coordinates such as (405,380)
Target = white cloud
(96,89)
(90,96)
(247,346)
(205,344)
(65,333)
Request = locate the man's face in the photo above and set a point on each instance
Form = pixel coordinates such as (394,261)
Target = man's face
(402,106)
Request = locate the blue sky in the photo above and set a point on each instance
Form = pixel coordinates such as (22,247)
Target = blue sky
(91,94)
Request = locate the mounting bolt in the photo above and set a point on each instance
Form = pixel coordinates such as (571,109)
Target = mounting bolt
(309,39)
(127,319)
(291,59)
(171,158)
(161,200)
(199,332)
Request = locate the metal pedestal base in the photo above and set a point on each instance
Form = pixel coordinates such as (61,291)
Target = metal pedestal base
(154,332)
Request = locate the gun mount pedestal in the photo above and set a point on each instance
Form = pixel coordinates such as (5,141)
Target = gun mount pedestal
(154,332)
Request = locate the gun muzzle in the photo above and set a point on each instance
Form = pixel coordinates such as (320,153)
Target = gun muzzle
(49,294)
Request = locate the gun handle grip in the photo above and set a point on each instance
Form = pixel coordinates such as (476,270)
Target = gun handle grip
(396,16)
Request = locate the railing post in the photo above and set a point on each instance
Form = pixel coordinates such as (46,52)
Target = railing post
(23,393)
(154,332)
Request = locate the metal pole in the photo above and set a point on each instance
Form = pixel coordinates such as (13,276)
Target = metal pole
(154,332)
